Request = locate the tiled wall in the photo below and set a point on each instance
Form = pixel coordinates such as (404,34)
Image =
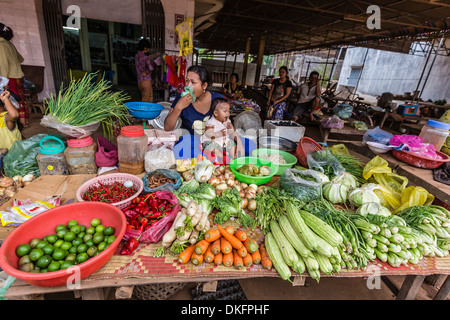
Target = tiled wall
(25,18)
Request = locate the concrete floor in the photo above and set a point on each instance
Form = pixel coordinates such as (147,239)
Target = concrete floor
(276,288)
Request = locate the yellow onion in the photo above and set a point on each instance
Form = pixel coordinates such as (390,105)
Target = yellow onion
(6,182)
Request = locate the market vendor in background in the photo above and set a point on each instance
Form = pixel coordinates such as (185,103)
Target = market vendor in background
(9,132)
(193,113)
(233,88)
(279,92)
(144,70)
(10,60)
(309,97)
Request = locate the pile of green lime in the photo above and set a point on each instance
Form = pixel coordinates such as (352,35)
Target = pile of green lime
(71,244)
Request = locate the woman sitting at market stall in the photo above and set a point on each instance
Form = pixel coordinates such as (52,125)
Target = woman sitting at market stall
(194,109)
(233,88)
(279,92)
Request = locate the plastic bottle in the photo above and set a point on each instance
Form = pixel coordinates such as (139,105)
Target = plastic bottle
(80,156)
(51,159)
(132,145)
(435,132)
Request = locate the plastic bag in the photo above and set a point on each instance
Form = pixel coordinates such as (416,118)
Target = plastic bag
(247,120)
(68,130)
(3,83)
(340,150)
(415,145)
(22,211)
(394,194)
(343,111)
(325,162)
(157,231)
(160,158)
(107,154)
(302,184)
(168,186)
(333,122)
(377,135)
(21,158)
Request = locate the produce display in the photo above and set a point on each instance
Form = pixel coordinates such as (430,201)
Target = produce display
(69,245)
(110,193)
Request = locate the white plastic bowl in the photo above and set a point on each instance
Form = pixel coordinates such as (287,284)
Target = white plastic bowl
(378,147)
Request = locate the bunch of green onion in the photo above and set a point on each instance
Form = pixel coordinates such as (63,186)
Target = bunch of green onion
(84,102)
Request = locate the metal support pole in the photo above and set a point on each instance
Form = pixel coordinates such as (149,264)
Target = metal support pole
(334,67)
(431,67)
(423,69)
(362,69)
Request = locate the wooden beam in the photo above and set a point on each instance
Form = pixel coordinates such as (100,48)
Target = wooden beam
(247,51)
(262,44)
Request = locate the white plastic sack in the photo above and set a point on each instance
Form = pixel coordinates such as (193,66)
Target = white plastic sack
(161,158)
(247,120)
(68,130)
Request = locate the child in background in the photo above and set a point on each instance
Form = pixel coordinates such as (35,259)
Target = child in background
(9,132)
(219,136)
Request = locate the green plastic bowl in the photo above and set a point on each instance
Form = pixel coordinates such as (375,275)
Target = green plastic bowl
(290,159)
(239,162)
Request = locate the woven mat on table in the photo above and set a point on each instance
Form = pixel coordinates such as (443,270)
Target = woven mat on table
(142,264)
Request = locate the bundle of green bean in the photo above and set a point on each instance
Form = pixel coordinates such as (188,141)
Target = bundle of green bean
(84,102)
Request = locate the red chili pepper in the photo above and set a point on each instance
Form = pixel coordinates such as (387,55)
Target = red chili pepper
(153,222)
(143,222)
(130,246)
(131,227)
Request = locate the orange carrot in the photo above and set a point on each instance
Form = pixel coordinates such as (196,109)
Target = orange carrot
(256,256)
(265,259)
(251,245)
(201,246)
(241,235)
(228,259)
(237,259)
(209,255)
(229,229)
(248,261)
(196,259)
(242,252)
(215,247)
(218,258)
(235,242)
(225,246)
(212,235)
(185,256)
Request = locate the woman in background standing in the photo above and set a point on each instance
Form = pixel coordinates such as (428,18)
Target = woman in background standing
(10,60)
(279,92)
(144,70)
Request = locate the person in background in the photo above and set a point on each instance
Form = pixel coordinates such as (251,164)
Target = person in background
(10,60)
(279,92)
(309,99)
(9,131)
(233,88)
(144,70)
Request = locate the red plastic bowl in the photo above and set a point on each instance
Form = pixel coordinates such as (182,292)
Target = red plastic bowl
(418,161)
(44,224)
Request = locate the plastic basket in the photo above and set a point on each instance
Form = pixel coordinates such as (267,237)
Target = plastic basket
(305,146)
(110,179)
(144,110)
(418,161)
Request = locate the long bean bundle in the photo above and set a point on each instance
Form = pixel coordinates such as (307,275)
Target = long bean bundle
(84,102)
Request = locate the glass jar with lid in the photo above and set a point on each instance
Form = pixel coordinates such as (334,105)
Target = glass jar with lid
(80,156)
(51,159)
(132,144)
(435,132)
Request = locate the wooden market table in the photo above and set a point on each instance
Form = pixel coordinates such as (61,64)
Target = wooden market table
(141,268)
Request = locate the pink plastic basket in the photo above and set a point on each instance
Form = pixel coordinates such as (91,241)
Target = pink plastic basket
(419,161)
(110,179)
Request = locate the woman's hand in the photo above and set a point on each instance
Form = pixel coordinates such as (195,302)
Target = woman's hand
(230,129)
(184,102)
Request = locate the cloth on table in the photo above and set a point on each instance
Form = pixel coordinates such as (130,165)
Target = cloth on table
(442,173)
